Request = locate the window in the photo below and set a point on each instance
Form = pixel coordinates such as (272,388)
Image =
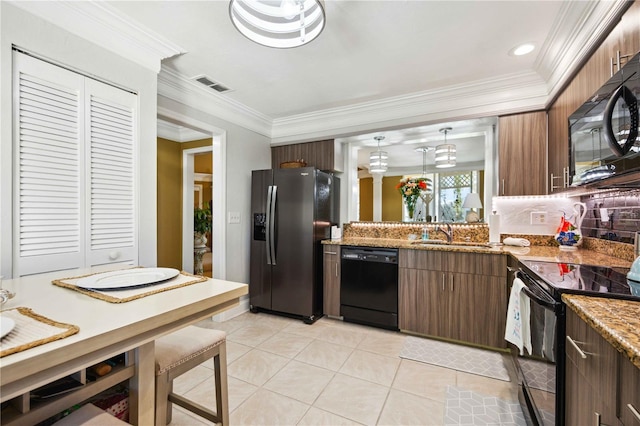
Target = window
(74,170)
(452,190)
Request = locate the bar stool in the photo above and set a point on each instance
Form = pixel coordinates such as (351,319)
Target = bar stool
(178,353)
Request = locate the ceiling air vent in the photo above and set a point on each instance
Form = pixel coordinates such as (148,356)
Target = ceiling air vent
(211,84)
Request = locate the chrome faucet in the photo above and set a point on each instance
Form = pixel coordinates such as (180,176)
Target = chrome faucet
(448,232)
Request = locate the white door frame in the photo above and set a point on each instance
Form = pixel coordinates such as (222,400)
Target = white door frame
(219,232)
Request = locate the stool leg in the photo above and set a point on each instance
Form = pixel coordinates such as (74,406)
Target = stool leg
(222,388)
(162,399)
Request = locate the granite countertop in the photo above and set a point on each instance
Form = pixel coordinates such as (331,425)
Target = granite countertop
(539,253)
(617,320)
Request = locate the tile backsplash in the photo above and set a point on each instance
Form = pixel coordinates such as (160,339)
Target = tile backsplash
(613,216)
(516,213)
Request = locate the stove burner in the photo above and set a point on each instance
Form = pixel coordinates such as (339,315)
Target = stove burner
(586,279)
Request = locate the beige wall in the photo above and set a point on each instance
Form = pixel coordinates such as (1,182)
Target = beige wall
(169,204)
(170,196)
(366,199)
(391,199)
(203,163)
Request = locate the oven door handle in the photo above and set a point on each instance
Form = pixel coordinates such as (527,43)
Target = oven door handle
(538,294)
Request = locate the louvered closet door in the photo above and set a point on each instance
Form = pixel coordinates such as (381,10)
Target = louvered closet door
(111,135)
(75,197)
(48,171)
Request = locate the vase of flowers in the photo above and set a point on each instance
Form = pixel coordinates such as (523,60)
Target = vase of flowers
(411,189)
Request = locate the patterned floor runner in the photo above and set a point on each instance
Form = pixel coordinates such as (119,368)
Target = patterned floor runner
(458,357)
(468,408)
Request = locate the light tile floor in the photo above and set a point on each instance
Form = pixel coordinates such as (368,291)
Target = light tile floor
(284,372)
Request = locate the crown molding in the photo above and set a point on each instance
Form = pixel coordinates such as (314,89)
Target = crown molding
(181,89)
(176,133)
(498,96)
(105,26)
(568,47)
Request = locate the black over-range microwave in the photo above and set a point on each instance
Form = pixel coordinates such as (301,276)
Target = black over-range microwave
(603,132)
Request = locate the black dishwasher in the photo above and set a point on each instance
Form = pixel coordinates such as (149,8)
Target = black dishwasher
(369,286)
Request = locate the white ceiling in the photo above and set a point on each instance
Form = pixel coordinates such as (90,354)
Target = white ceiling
(368,51)
(378,66)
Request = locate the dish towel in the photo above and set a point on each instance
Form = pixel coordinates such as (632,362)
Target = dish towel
(518,329)
(521,242)
(549,336)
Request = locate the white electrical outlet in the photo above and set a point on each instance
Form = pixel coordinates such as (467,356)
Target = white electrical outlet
(234,217)
(538,218)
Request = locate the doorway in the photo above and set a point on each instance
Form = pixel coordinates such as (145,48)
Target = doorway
(218,202)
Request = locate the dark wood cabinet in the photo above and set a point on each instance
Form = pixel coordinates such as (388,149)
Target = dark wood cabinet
(522,140)
(622,42)
(459,296)
(591,375)
(331,277)
(323,155)
(629,388)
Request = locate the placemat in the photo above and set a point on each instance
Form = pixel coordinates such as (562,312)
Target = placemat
(32,330)
(127,295)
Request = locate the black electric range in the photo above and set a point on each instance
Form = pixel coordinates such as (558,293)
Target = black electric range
(545,282)
(592,280)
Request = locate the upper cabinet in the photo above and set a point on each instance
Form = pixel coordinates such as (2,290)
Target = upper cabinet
(522,140)
(323,155)
(622,43)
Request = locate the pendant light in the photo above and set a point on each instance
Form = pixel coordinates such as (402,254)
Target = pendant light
(378,159)
(445,153)
(280,24)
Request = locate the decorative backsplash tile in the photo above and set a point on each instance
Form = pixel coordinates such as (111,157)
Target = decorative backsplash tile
(613,216)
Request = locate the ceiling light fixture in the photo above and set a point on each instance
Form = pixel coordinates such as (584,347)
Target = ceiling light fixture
(523,49)
(445,153)
(378,159)
(424,150)
(273,24)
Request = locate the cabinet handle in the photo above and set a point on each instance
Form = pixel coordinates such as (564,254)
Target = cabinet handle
(330,252)
(565,173)
(451,282)
(611,67)
(634,411)
(576,347)
(502,186)
(336,269)
(598,418)
(553,187)
(443,281)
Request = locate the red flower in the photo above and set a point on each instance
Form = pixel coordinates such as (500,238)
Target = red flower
(422,184)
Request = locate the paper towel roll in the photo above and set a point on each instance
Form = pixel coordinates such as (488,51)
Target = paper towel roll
(494,228)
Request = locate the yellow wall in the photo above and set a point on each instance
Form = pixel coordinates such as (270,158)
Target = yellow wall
(169,204)
(391,199)
(170,198)
(366,199)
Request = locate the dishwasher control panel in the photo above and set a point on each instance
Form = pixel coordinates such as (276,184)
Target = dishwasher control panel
(365,254)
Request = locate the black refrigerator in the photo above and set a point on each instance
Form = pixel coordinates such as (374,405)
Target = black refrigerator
(292,213)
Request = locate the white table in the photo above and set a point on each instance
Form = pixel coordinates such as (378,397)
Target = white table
(106,330)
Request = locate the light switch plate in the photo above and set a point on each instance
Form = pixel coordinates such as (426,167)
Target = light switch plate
(538,218)
(234,217)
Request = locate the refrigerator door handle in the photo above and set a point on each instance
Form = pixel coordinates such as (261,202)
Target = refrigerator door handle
(268,224)
(272,225)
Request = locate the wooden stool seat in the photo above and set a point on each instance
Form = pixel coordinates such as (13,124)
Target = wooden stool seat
(89,415)
(178,353)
